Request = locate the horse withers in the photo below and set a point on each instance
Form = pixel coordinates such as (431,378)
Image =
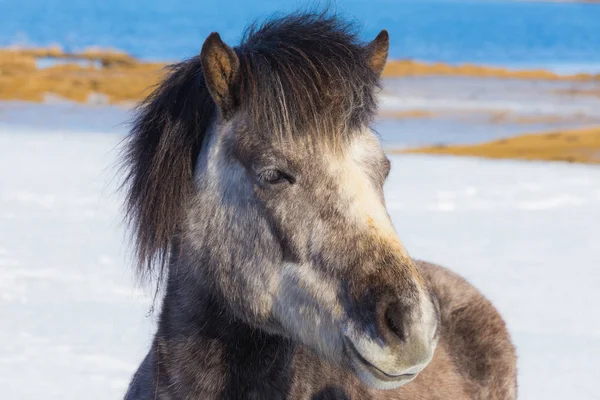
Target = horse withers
(255,194)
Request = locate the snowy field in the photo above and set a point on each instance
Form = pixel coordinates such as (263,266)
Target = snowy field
(74,326)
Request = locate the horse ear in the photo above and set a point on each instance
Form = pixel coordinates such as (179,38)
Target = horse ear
(378,51)
(221,68)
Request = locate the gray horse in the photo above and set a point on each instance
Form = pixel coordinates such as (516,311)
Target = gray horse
(254,192)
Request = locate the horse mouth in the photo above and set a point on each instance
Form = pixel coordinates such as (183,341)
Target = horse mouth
(362,365)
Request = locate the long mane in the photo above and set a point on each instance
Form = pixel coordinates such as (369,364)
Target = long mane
(304,73)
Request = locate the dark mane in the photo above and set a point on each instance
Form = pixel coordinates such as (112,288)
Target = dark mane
(303,73)
(306,73)
(159,159)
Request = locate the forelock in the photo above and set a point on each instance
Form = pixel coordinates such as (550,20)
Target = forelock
(306,73)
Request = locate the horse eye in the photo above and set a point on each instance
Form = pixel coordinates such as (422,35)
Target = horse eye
(273,176)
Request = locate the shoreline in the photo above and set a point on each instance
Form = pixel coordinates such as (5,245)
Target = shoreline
(573,146)
(106,76)
(110,77)
(413,68)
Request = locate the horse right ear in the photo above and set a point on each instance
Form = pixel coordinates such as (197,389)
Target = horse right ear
(221,68)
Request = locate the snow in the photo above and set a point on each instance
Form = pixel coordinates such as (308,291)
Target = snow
(74,325)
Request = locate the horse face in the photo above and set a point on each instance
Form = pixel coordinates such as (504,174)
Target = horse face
(298,240)
(293,233)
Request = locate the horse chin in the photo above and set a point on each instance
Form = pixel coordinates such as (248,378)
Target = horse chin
(371,375)
(380,374)
(372,379)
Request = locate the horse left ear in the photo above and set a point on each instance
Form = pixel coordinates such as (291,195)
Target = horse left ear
(221,68)
(378,51)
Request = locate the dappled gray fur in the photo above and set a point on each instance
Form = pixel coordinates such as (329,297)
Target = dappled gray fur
(255,193)
(294,79)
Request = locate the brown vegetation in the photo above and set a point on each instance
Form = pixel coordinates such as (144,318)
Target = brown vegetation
(122,78)
(406,114)
(400,68)
(581,92)
(507,117)
(581,145)
(116,75)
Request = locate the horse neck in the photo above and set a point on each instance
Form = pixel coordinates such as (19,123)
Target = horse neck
(219,348)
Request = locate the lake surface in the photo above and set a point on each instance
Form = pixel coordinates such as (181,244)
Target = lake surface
(560,36)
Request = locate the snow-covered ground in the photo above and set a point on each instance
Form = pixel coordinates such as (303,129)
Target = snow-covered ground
(74,326)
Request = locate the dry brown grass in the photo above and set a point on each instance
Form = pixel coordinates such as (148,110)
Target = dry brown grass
(406,114)
(581,92)
(401,68)
(105,56)
(580,145)
(507,117)
(122,78)
(119,76)
(493,117)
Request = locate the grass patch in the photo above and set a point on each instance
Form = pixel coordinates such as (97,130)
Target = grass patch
(402,68)
(579,145)
(122,78)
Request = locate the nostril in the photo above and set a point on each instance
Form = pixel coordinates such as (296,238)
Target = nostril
(394,320)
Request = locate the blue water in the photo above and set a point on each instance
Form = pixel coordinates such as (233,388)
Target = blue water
(558,35)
